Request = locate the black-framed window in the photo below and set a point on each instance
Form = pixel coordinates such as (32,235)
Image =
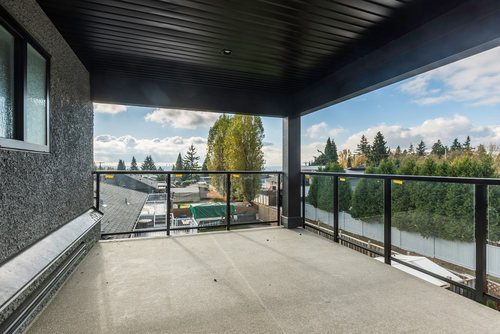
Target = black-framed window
(24,89)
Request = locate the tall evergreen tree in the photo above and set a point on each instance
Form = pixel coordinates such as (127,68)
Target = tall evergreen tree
(411,150)
(133,164)
(191,159)
(456,146)
(121,165)
(438,148)
(363,147)
(467,146)
(329,155)
(421,149)
(179,164)
(379,150)
(148,163)
(331,151)
(349,162)
(397,153)
(191,163)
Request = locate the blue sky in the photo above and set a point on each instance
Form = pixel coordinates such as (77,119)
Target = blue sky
(456,100)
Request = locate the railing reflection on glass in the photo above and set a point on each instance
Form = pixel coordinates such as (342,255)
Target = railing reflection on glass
(393,218)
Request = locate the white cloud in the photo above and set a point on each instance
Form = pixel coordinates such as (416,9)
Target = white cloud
(110,149)
(337,131)
(321,129)
(272,155)
(474,81)
(109,108)
(307,152)
(429,131)
(164,151)
(184,119)
(317,130)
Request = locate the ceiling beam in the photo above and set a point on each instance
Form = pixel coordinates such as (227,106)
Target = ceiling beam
(468,29)
(134,91)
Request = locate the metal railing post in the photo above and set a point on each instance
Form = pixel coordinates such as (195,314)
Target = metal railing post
(336,208)
(387,220)
(168,203)
(97,191)
(481,230)
(228,202)
(303,200)
(278,197)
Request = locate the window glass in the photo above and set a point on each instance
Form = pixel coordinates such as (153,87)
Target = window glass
(6,84)
(36,98)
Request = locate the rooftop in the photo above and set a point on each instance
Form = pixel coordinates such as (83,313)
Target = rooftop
(250,281)
(118,215)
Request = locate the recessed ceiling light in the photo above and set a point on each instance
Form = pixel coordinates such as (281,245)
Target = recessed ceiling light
(227,52)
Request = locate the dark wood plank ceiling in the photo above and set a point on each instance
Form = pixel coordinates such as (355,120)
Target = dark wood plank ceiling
(278,46)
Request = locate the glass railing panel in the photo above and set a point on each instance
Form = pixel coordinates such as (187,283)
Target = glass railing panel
(361,214)
(319,201)
(198,200)
(433,228)
(493,244)
(124,198)
(253,200)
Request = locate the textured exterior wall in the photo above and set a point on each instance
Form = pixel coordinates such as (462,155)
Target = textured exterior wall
(40,192)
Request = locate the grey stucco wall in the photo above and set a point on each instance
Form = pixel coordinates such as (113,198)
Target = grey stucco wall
(40,192)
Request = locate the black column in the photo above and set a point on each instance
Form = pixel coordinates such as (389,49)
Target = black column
(291,217)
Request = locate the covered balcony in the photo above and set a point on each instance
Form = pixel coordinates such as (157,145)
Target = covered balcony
(59,273)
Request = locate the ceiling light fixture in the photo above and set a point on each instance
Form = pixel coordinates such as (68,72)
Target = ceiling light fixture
(227,52)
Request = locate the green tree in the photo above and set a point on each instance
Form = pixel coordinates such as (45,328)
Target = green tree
(481,152)
(161,177)
(438,148)
(179,165)
(456,146)
(421,149)
(121,165)
(216,151)
(397,154)
(204,167)
(467,146)
(243,152)
(331,151)
(367,199)
(363,147)
(191,163)
(349,162)
(320,193)
(191,159)
(329,155)
(411,150)
(133,164)
(148,163)
(379,150)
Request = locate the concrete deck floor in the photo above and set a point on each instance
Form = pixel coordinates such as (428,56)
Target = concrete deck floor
(268,280)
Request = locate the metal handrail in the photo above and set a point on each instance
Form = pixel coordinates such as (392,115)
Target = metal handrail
(481,214)
(443,179)
(140,172)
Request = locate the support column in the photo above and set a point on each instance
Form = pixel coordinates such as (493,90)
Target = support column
(291,217)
